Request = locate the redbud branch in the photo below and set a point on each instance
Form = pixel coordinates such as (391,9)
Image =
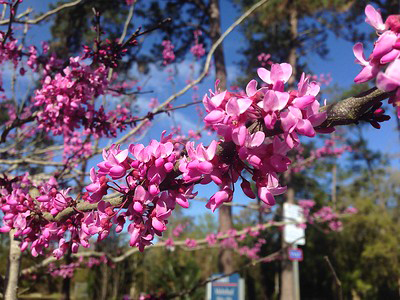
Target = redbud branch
(127,22)
(13,12)
(27,160)
(352,109)
(16,123)
(121,91)
(150,115)
(41,17)
(138,33)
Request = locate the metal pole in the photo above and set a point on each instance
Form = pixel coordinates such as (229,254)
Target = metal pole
(296,280)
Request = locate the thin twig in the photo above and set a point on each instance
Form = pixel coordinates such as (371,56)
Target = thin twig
(337,280)
(150,115)
(13,12)
(43,16)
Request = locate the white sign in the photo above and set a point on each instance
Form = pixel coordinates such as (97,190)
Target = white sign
(293,233)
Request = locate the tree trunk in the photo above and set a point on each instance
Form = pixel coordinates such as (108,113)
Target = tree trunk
(13,267)
(66,283)
(292,58)
(225,259)
(104,282)
(287,278)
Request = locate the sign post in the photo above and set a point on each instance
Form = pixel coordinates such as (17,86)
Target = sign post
(295,235)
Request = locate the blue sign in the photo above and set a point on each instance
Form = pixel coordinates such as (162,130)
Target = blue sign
(226,288)
(295,254)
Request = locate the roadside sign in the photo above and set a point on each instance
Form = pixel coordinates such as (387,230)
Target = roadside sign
(293,233)
(295,254)
(226,288)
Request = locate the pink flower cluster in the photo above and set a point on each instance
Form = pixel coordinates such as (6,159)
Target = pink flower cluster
(198,48)
(244,122)
(328,150)
(66,99)
(153,179)
(168,52)
(67,270)
(385,55)
(324,215)
(264,59)
(325,79)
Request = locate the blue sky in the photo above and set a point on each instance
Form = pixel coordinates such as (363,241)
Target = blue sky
(340,63)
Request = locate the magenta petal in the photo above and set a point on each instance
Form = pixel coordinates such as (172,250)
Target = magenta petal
(317,119)
(182,201)
(367,73)
(256,139)
(138,207)
(288,121)
(374,18)
(270,101)
(120,157)
(134,237)
(304,127)
(215,116)
(358,50)
(239,135)
(117,172)
(385,83)
(251,88)
(286,71)
(391,56)
(384,44)
(266,196)
(211,150)
(217,99)
(244,104)
(140,193)
(264,74)
(304,101)
(205,167)
(91,188)
(232,107)
(270,121)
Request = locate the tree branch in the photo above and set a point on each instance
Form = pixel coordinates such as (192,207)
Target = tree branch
(352,109)
(43,16)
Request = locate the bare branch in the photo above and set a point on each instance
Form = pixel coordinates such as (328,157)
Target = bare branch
(43,16)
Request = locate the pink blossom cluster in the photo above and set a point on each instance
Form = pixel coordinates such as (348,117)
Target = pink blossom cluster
(198,48)
(66,99)
(168,52)
(9,51)
(328,150)
(153,179)
(30,216)
(384,61)
(107,53)
(76,147)
(64,271)
(324,215)
(177,231)
(244,122)
(264,59)
(67,270)
(149,198)
(20,208)
(325,79)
